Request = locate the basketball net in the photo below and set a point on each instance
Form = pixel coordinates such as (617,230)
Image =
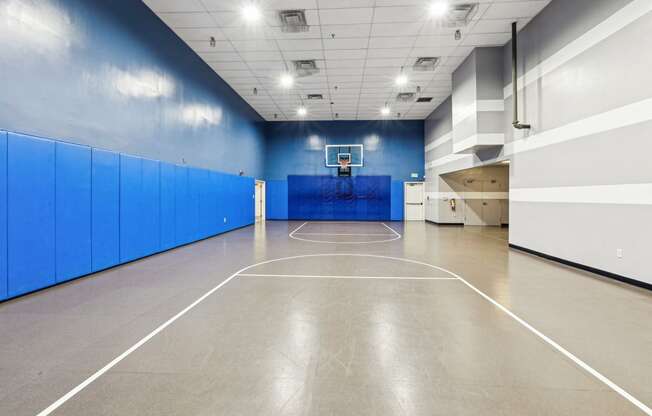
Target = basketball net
(344,164)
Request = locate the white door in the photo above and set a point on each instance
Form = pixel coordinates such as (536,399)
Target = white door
(260,201)
(414,196)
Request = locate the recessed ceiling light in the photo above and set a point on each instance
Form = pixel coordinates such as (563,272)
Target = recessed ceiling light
(287,81)
(438,8)
(385,111)
(251,13)
(301,111)
(401,80)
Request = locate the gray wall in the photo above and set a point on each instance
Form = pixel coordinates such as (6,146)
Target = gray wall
(580,179)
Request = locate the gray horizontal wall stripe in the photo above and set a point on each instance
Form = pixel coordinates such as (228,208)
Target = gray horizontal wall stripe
(603,158)
(604,77)
(612,24)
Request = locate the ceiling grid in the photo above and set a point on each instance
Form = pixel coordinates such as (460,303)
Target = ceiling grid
(359,46)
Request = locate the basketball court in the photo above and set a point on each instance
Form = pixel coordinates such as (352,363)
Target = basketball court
(325,208)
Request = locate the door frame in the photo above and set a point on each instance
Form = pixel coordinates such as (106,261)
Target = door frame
(262,185)
(423,199)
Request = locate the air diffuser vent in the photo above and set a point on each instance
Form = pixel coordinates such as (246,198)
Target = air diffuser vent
(305,68)
(461,14)
(315,97)
(293,21)
(425,64)
(405,96)
(424,99)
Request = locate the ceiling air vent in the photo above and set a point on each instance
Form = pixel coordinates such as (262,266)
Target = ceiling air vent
(424,99)
(405,96)
(461,14)
(425,64)
(293,21)
(305,68)
(315,97)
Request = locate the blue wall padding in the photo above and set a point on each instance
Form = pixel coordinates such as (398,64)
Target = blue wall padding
(276,200)
(68,210)
(30,231)
(168,206)
(397,201)
(105,209)
(3,215)
(150,214)
(195,177)
(131,178)
(362,198)
(73,211)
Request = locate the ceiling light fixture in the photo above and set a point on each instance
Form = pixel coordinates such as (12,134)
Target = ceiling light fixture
(385,111)
(301,112)
(438,8)
(251,13)
(287,81)
(401,80)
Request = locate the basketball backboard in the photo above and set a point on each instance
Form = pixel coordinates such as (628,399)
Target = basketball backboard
(334,153)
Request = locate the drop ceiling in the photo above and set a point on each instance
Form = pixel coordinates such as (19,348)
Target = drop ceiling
(359,46)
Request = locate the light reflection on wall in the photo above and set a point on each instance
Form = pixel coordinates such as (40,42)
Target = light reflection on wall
(371,142)
(35,23)
(315,142)
(140,84)
(197,115)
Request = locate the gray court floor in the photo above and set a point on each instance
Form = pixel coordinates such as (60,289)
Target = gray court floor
(294,318)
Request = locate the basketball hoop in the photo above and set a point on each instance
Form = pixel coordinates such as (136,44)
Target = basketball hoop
(344,169)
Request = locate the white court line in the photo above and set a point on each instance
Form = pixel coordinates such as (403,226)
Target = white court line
(315,276)
(294,234)
(167,323)
(338,234)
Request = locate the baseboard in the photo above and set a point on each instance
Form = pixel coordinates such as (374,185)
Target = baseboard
(584,267)
(446,223)
(92,274)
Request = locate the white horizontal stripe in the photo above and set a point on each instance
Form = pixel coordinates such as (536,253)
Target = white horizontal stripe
(467,195)
(490,105)
(477,106)
(626,194)
(620,117)
(617,21)
(447,159)
(639,112)
(439,141)
(314,276)
(494,139)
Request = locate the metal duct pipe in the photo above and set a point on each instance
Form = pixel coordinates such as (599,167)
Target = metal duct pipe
(515,123)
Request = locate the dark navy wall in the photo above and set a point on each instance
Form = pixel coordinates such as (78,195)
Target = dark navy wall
(111,75)
(393,148)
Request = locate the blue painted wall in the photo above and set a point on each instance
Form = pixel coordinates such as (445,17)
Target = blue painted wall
(393,148)
(111,75)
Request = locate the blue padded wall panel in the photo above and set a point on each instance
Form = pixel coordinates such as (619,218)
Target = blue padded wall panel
(363,198)
(30,216)
(150,215)
(276,200)
(206,204)
(182,200)
(195,176)
(105,209)
(3,215)
(397,201)
(131,178)
(168,206)
(230,201)
(219,180)
(73,211)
